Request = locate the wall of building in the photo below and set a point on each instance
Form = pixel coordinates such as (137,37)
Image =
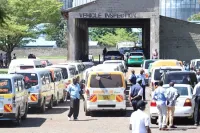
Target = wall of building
(179,39)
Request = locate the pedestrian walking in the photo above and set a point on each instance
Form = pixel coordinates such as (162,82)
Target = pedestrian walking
(172,95)
(74,91)
(14,56)
(196,96)
(142,76)
(139,121)
(160,97)
(155,54)
(132,78)
(135,94)
(104,53)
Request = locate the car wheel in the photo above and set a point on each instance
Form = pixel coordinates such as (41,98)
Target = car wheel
(25,114)
(153,120)
(43,107)
(87,113)
(50,106)
(123,113)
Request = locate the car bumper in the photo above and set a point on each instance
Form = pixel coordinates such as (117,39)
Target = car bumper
(133,62)
(106,106)
(179,112)
(8,116)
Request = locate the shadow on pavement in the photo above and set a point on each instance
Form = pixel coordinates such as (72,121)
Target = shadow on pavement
(111,114)
(87,120)
(29,122)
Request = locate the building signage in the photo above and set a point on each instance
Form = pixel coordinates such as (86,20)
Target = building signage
(107,15)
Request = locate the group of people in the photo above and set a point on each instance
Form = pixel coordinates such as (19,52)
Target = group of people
(4,61)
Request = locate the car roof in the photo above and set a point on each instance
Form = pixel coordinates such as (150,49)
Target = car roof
(114,61)
(177,85)
(170,67)
(35,70)
(62,66)
(88,63)
(171,72)
(10,76)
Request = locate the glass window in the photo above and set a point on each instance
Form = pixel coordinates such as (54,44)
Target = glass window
(26,67)
(5,86)
(183,91)
(106,81)
(16,85)
(72,71)
(43,79)
(30,78)
(19,82)
(136,54)
(47,78)
(113,53)
(147,64)
(157,74)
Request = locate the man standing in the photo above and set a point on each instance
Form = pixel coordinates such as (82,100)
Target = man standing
(14,56)
(139,121)
(135,94)
(160,97)
(196,95)
(1,60)
(132,78)
(155,54)
(74,91)
(104,53)
(142,76)
(172,95)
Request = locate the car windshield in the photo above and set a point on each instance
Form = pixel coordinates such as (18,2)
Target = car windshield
(30,78)
(106,81)
(158,74)
(113,53)
(136,54)
(181,78)
(64,72)
(88,66)
(123,50)
(198,64)
(26,67)
(147,63)
(5,86)
(183,91)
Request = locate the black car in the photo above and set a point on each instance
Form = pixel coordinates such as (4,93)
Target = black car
(180,77)
(114,55)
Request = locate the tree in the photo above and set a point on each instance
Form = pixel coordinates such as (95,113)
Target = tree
(24,16)
(194,17)
(96,33)
(3,7)
(119,35)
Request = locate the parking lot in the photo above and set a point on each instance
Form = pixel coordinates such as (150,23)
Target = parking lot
(55,121)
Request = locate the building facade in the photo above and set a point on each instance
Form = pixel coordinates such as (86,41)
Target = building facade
(179,9)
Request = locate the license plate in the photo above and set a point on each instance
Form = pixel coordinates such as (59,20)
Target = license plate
(106,97)
(112,57)
(136,59)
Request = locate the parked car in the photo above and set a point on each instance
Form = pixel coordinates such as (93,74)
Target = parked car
(184,104)
(114,55)
(117,62)
(135,58)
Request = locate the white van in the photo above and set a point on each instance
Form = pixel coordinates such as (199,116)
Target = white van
(158,71)
(21,64)
(105,91)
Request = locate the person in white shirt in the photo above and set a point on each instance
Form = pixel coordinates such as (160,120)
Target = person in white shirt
(139,121)
(196,95)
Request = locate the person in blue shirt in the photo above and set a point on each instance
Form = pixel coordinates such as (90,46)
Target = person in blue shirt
(132,78)
(160,96)
(142,76)
(135,94)
(74,91)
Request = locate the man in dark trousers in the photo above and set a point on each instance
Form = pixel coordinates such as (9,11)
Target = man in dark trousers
(196,95)
(132,78)
(135,94)
(142,77)
(104,53)
(74,91)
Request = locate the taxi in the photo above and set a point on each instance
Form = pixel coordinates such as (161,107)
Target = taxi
(41,92)
(13,98)
(105,91)
(135,58)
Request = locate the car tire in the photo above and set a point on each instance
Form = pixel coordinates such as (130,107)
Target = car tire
(43,107)
(153,121)
(50,106)
(123,113)
(25,114)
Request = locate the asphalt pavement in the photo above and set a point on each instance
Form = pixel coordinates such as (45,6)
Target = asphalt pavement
(55,121)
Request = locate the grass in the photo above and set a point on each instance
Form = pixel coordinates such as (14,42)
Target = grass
(3,71)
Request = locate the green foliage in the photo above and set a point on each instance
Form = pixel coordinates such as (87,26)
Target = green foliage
(3,10)
(194,17)
(23,17)
(57,32)
(111,37)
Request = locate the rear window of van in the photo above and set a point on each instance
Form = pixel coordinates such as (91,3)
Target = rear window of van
(5,86)
(106,81)
(26,67)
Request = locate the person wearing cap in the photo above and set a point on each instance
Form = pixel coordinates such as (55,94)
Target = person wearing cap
(142,76)
(139,121)
(160,97)
(132,78)
(135,93)
(74,91)
(172,95)
(196,96)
